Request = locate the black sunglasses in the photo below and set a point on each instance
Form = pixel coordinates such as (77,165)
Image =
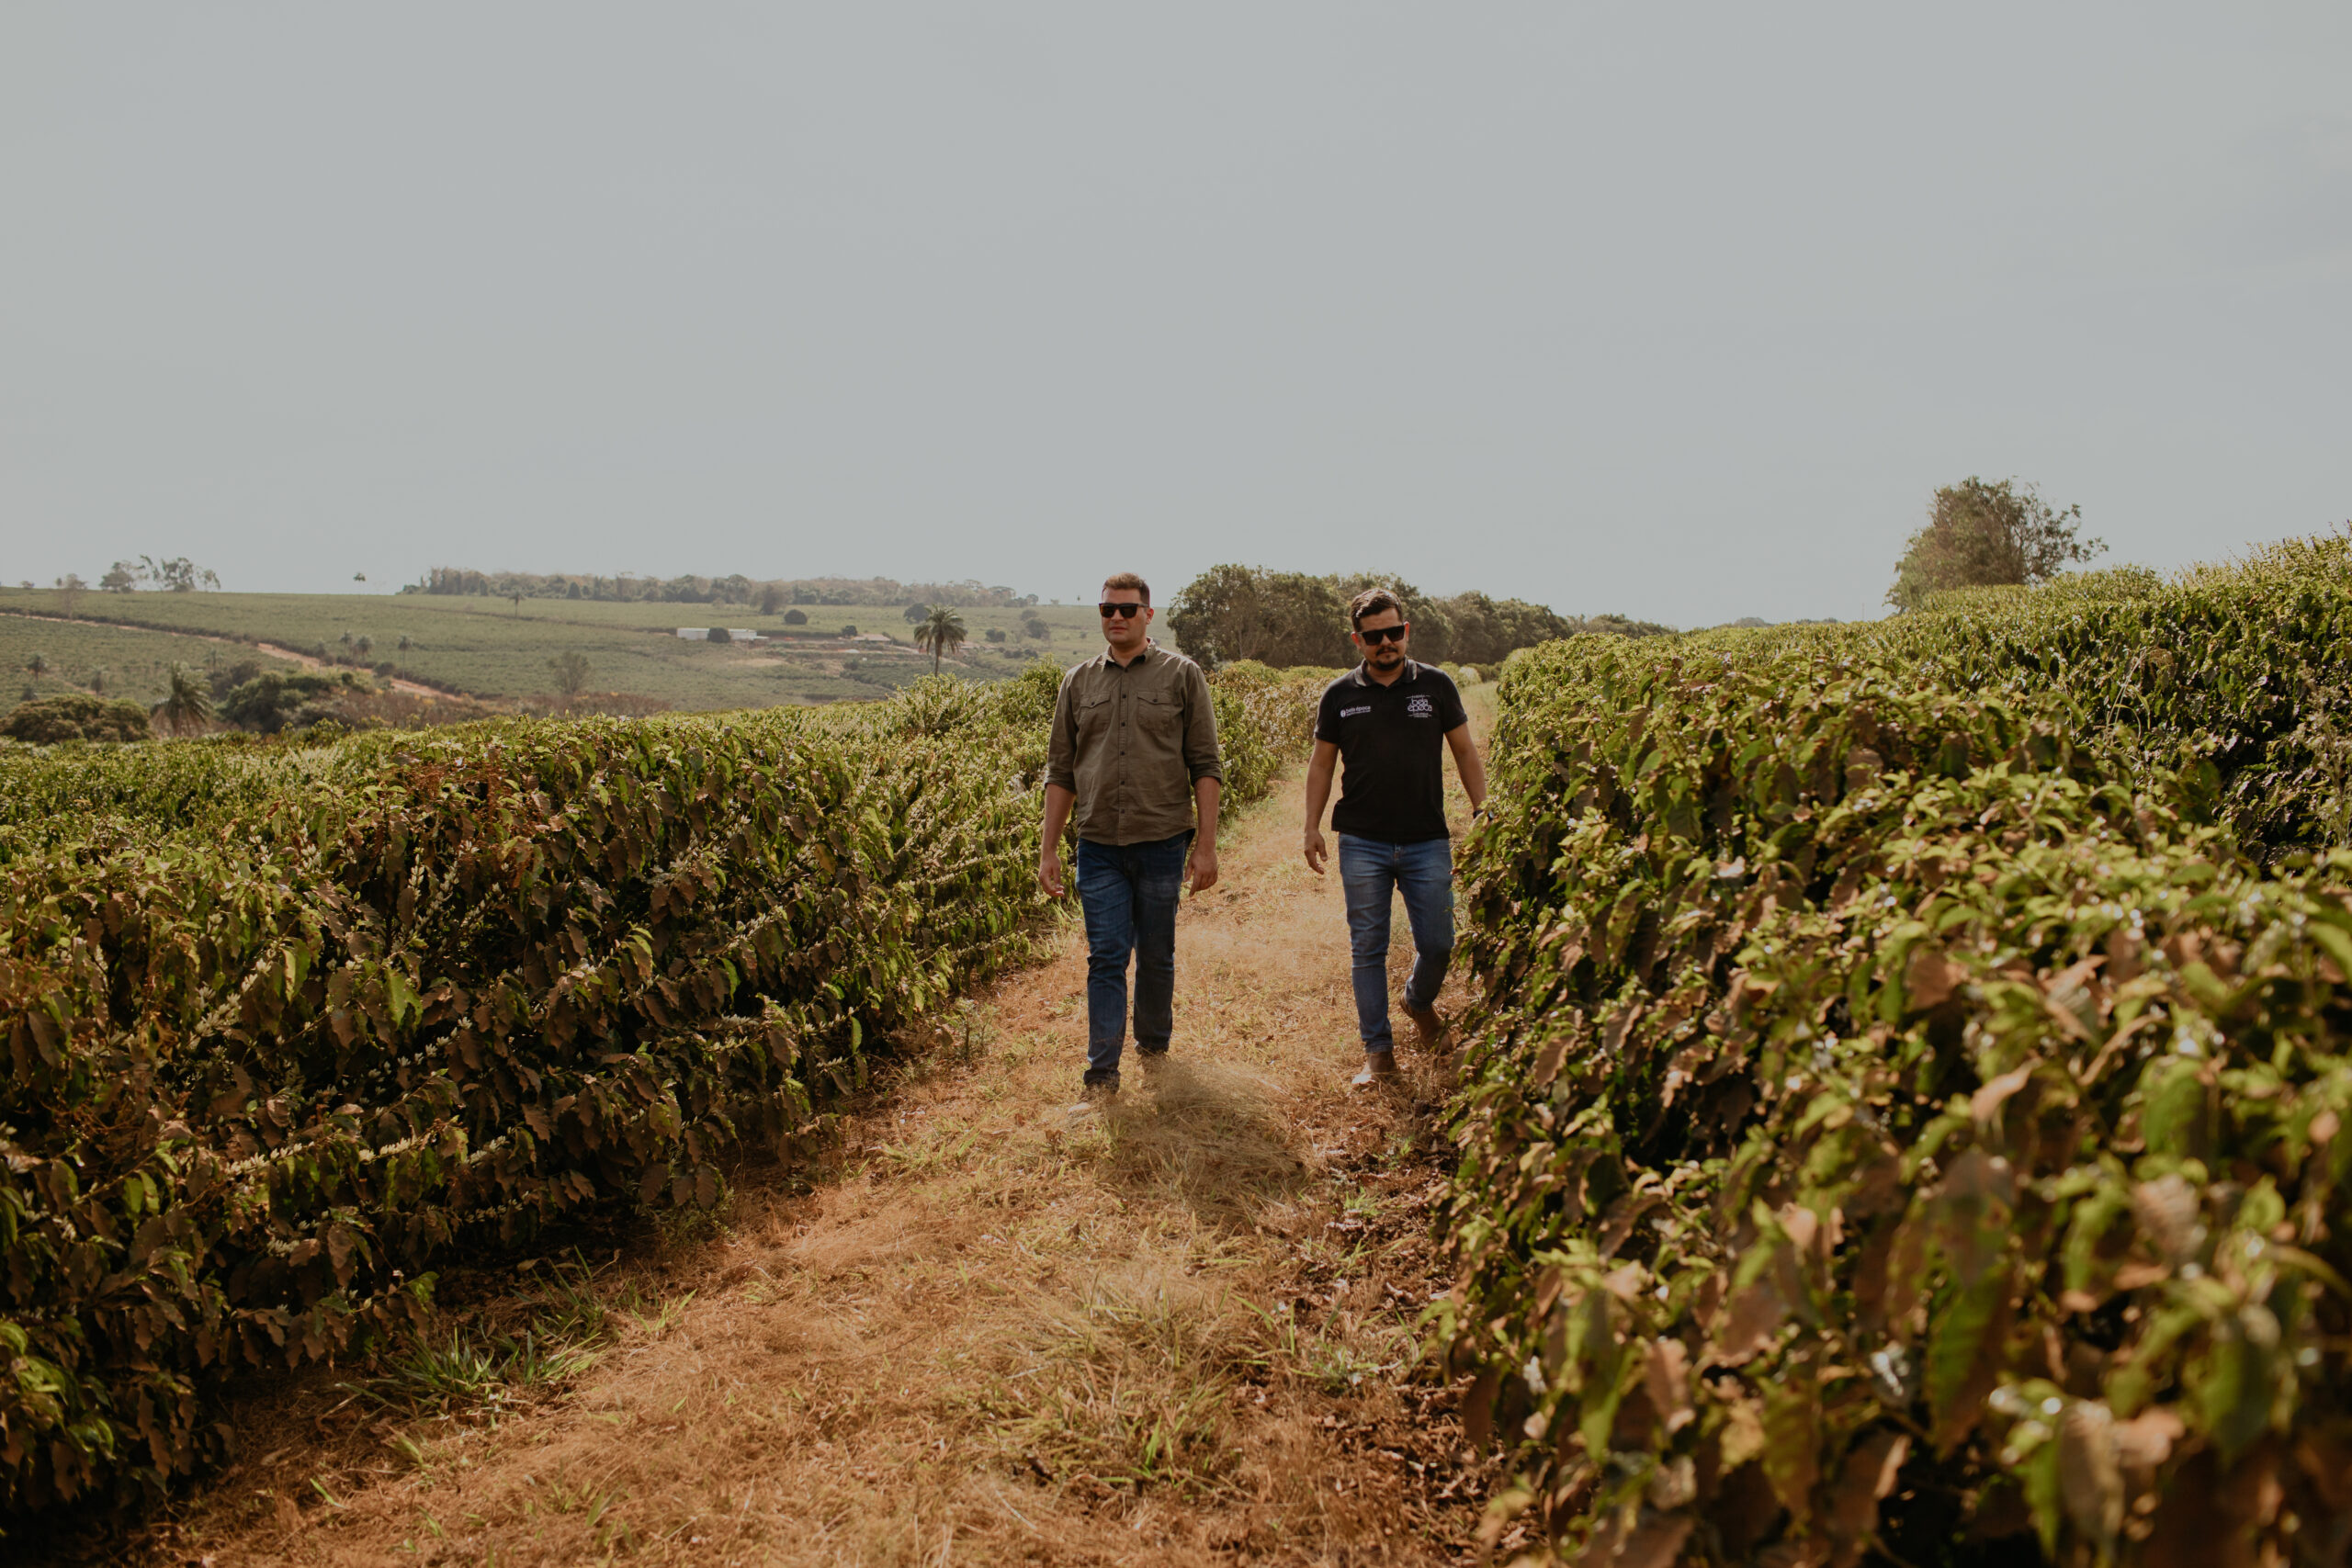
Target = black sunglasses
(1386,634)
(1129,611)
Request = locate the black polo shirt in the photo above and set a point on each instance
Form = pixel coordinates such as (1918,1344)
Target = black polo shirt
(1393,740)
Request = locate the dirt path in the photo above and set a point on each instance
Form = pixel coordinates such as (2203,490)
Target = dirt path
(1184,1333)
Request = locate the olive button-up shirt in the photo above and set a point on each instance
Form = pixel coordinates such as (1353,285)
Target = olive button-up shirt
(1130,741)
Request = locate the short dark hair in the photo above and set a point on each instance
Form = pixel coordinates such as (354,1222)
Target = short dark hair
(1127,580)
(1371,602)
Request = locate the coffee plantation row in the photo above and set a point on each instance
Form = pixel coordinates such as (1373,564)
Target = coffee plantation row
(1906,1107)
(287,1025)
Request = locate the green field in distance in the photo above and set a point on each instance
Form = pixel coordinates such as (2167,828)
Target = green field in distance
(491,649)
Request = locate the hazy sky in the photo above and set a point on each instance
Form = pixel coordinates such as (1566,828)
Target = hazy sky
(1680,312)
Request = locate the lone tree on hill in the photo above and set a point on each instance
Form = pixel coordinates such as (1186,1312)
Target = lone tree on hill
(942,631)
(188,704)
(70,589)
(795,617)
(180,575)
(37,664)
(570,670)
(1985,535)
(916,614)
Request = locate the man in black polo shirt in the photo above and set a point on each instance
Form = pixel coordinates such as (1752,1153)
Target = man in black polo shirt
(1392,719)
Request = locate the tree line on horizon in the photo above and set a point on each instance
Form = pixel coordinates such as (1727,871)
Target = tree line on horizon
(1291,618)
(768,596)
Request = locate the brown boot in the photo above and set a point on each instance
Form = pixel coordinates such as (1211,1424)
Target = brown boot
(1426,1025)
(1379,1067)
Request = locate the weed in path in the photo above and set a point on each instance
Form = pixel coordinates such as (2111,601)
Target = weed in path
(457,1368)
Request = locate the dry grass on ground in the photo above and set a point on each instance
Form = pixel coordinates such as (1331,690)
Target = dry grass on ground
(1183,1333)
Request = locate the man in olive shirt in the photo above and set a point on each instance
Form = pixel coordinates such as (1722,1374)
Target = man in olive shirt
(1133,751)
(1393,719)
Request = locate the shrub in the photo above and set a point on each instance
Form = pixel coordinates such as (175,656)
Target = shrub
(270,699)
(51,721)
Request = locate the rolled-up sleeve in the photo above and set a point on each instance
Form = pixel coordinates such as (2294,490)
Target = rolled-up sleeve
(1201,759)
(1061,749)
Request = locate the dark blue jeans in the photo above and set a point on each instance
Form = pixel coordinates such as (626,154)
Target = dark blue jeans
(1129,893)
(1372,872)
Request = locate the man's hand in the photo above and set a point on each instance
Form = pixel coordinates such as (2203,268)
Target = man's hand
(1319,768)
(1058,800)
(1200,867)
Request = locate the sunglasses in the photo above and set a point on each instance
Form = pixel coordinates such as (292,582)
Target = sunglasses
(1386,634)
(1129,611)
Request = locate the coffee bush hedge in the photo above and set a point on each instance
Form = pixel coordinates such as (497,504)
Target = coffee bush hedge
(417,995)
(1906,1110)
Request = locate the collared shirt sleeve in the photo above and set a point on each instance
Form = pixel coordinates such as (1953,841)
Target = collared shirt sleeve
(1061,749)
(1326,712)
(1201,759)
(1451,715)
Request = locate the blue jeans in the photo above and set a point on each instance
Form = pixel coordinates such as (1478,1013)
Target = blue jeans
(1129,893)
(1372,872)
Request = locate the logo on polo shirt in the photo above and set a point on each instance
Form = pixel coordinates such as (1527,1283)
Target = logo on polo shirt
(1419,708)
(1351,713)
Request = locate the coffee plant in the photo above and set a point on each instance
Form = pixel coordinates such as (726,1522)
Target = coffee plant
(284,1025)
(1906,1110)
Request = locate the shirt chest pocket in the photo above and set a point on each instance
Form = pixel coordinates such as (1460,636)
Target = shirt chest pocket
(1094,717)
(1159,714)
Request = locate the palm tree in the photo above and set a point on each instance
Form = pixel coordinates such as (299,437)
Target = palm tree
(188,706)
(942,631)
